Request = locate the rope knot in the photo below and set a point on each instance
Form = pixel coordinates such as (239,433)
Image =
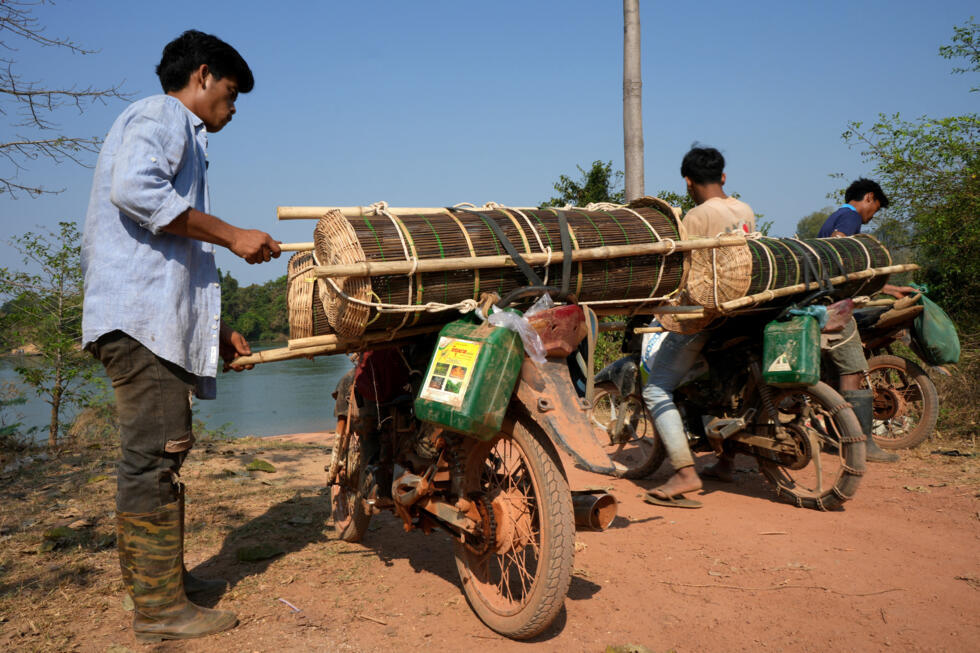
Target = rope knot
(378,208)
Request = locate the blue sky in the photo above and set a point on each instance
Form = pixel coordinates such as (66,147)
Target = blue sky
(432,103)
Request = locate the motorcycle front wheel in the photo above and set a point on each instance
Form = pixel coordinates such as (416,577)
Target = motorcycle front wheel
(625,429)
(832,447)
(517,578)
(906,404)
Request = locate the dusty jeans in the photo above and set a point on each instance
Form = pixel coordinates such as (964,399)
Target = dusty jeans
(671,362)
(154,410)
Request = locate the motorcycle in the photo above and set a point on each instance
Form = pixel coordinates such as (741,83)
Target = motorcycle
(806,439)
(504,499)
(906,403)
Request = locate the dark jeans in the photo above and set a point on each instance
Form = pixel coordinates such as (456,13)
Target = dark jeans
(154,410)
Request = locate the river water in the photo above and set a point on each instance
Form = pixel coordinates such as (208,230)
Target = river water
(271,399)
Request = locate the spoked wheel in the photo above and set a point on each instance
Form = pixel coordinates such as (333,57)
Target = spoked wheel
(830,448)
(906,404)
(351,513)
(516,578)
(625,429)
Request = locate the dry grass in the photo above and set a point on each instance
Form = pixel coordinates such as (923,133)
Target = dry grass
(959,395)
(58,564)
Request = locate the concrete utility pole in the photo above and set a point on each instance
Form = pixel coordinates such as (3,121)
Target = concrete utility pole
(632,100)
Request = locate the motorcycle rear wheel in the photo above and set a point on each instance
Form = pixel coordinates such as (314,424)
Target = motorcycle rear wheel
(520,591)
(350,512)
(640,452)
(831,433)
(906,404)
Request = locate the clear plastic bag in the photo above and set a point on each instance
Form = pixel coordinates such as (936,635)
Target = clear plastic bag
(518,323)
(543,303)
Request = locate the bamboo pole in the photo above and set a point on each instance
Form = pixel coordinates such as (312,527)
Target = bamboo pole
(743,302)
(332,339)
(375,268)
(317,212)
(605,327)
(282,354)
(340,347)
(296,247)
(749,300)
(649,329)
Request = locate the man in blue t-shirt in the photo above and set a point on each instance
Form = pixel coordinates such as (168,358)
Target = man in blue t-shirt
(862,200)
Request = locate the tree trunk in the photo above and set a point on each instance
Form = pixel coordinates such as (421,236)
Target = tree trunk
(632,100)
(55,409)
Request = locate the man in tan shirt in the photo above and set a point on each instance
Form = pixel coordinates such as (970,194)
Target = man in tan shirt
(716,213)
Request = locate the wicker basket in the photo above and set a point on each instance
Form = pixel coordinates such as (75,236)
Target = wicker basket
(336,243)
(719,274)
(299,295)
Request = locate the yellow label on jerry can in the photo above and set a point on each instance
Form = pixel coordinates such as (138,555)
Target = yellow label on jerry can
(451,371)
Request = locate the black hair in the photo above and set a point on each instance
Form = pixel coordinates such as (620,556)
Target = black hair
(862,187)
(187,52)
(703,165)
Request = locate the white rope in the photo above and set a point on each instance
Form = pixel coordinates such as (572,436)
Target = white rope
(537,237)
(382,209)
(464,306)
(844,341)
(663,259)
(604,206)
(547,266)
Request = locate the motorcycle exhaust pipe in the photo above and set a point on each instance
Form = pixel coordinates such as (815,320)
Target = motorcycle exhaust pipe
(594,509)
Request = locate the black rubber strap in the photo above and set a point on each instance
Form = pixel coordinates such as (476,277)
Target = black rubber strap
(522,265)
(566,251)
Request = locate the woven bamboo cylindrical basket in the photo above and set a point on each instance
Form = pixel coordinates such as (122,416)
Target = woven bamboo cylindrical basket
(306,315)
(337,242)
(457,233)
(724,274)
(299,295)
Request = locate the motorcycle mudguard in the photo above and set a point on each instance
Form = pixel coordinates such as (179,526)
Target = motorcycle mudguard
(547,394)
(622,374)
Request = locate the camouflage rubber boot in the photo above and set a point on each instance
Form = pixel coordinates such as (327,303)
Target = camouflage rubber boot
(862,403)
(150,552)
(192,584)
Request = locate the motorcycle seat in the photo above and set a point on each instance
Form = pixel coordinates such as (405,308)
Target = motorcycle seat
(866,317)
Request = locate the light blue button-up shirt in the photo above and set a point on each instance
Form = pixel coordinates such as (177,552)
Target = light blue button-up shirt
(158,288)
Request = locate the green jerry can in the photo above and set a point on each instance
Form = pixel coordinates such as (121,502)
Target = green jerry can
(470,379)
(791,352)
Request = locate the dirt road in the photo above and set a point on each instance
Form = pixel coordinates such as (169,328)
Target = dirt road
(898,569)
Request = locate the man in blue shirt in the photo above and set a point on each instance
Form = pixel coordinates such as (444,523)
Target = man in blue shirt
(862,199)
(152,312)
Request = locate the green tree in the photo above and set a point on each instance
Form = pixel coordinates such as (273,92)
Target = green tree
(676,199)
(31,105)
(930,169)
(808,226)
(257,311)
(46,307)
(965,45)
(597,184)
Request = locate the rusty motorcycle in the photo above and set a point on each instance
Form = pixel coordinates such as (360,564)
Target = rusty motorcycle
(505,500)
